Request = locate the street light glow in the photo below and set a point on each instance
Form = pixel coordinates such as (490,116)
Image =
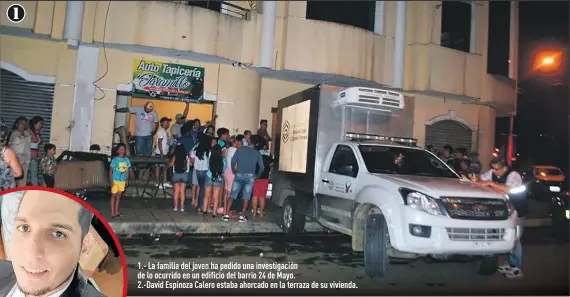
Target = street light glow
(548,60)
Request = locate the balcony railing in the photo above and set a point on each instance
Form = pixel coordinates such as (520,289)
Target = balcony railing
(219,6)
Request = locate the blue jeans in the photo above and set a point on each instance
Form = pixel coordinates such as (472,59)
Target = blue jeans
(516,256)
(201,176)
(242,181)
(189,182)
(33,172)
(143,145)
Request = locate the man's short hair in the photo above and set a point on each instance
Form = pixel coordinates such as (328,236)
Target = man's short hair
(461,150)
(85,217)
(501,161)
(222,131)
(240,137)
(246,132)
(448,148)
(186,128)
(262,122)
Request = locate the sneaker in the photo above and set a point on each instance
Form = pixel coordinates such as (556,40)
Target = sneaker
(168,185)
(515,272)
(242,219)
(505,268)
(176,209)
(182,210)
(225,218)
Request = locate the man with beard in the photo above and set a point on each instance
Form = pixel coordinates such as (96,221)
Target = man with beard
(48,241)
(146,125)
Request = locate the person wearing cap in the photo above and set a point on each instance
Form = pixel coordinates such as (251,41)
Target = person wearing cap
(180,120)
(146,125)
(161,151)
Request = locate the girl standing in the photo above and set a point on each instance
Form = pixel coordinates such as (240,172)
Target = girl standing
(200,157)
(180,164)
(215,179)
(119,173)
(228,174)
(36,124)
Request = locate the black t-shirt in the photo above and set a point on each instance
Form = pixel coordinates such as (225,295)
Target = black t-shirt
(267,160)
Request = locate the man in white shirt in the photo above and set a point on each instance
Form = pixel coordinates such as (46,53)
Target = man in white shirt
(49,240)
(503,178)
(162,147)
(175,131)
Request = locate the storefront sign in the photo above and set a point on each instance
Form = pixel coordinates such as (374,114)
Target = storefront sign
(167,81)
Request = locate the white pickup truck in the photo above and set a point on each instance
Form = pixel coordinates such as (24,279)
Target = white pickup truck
(396,200)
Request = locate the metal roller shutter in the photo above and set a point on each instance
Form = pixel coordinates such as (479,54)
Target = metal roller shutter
(19,97)
(448,132)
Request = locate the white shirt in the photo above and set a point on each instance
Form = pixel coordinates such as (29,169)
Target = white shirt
(17,293)
(175,131)
(162,134)
(513,179)
(200,165)
(10,203)
(229,154)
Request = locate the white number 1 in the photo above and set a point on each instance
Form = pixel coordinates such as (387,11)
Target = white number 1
(16,13)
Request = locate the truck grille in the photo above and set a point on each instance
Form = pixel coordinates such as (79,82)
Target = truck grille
(476,209)
(475,234)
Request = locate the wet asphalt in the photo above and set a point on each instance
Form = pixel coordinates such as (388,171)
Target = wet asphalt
(326,258)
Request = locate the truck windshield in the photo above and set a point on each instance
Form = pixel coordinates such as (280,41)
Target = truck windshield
(404,161)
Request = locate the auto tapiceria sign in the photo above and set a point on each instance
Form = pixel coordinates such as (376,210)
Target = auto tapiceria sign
(168,81)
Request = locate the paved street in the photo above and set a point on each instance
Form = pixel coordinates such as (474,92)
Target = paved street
(326,258)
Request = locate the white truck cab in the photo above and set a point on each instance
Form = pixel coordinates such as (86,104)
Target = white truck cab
(396,200)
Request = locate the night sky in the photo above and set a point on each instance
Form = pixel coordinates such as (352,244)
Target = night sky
(543,103)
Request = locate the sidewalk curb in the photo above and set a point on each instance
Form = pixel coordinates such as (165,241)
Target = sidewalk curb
(236,228)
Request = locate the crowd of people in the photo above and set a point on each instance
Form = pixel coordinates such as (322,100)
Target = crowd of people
(22,161)
(464,163)
(215,166)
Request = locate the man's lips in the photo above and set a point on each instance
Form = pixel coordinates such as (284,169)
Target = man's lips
(34,272)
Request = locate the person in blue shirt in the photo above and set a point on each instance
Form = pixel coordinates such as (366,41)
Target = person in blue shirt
(119,173)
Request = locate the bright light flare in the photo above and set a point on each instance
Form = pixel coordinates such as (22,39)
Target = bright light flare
(547,61)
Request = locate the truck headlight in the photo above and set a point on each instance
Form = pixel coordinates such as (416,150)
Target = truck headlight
(510,207)
(423,202)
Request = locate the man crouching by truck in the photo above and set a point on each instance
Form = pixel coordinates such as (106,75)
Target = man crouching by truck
(502,177)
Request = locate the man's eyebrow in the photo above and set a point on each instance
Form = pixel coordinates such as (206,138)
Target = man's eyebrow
(63,226)
(20,219)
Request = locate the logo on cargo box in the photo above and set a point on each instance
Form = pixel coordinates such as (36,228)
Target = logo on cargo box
(285,132)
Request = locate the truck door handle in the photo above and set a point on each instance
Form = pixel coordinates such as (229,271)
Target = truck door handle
(326,181)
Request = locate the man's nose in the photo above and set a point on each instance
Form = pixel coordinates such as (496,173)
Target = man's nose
(36,245)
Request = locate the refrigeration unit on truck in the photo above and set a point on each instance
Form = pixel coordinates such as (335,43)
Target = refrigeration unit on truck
(345,158)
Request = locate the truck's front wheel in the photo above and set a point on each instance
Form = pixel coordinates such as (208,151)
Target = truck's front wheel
(292,218)
(375,246)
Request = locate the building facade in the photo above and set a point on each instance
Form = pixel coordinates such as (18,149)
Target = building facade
(73,61)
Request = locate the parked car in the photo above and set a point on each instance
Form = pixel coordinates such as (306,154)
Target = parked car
(543,182)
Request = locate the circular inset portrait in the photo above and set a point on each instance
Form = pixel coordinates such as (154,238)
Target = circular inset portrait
(55,244)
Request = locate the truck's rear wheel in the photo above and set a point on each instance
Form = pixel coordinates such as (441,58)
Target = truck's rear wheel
(292,218)
(488,265)
(376,241)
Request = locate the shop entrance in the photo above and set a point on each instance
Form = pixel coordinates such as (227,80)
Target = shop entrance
(164,108)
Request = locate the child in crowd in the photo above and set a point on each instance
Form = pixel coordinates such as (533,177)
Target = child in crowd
(180,164)
(48,165)
(261,184)
(119,173)
(215,178)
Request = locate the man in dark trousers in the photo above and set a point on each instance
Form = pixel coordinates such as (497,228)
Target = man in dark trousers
(502,177)
(48,241)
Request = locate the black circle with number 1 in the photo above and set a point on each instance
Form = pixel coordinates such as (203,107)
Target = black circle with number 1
(16,13)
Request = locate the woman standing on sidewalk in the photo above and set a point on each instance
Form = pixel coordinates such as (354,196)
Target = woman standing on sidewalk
(200,157)
(20,140)
(232,145)
(36,124)
(214,179)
